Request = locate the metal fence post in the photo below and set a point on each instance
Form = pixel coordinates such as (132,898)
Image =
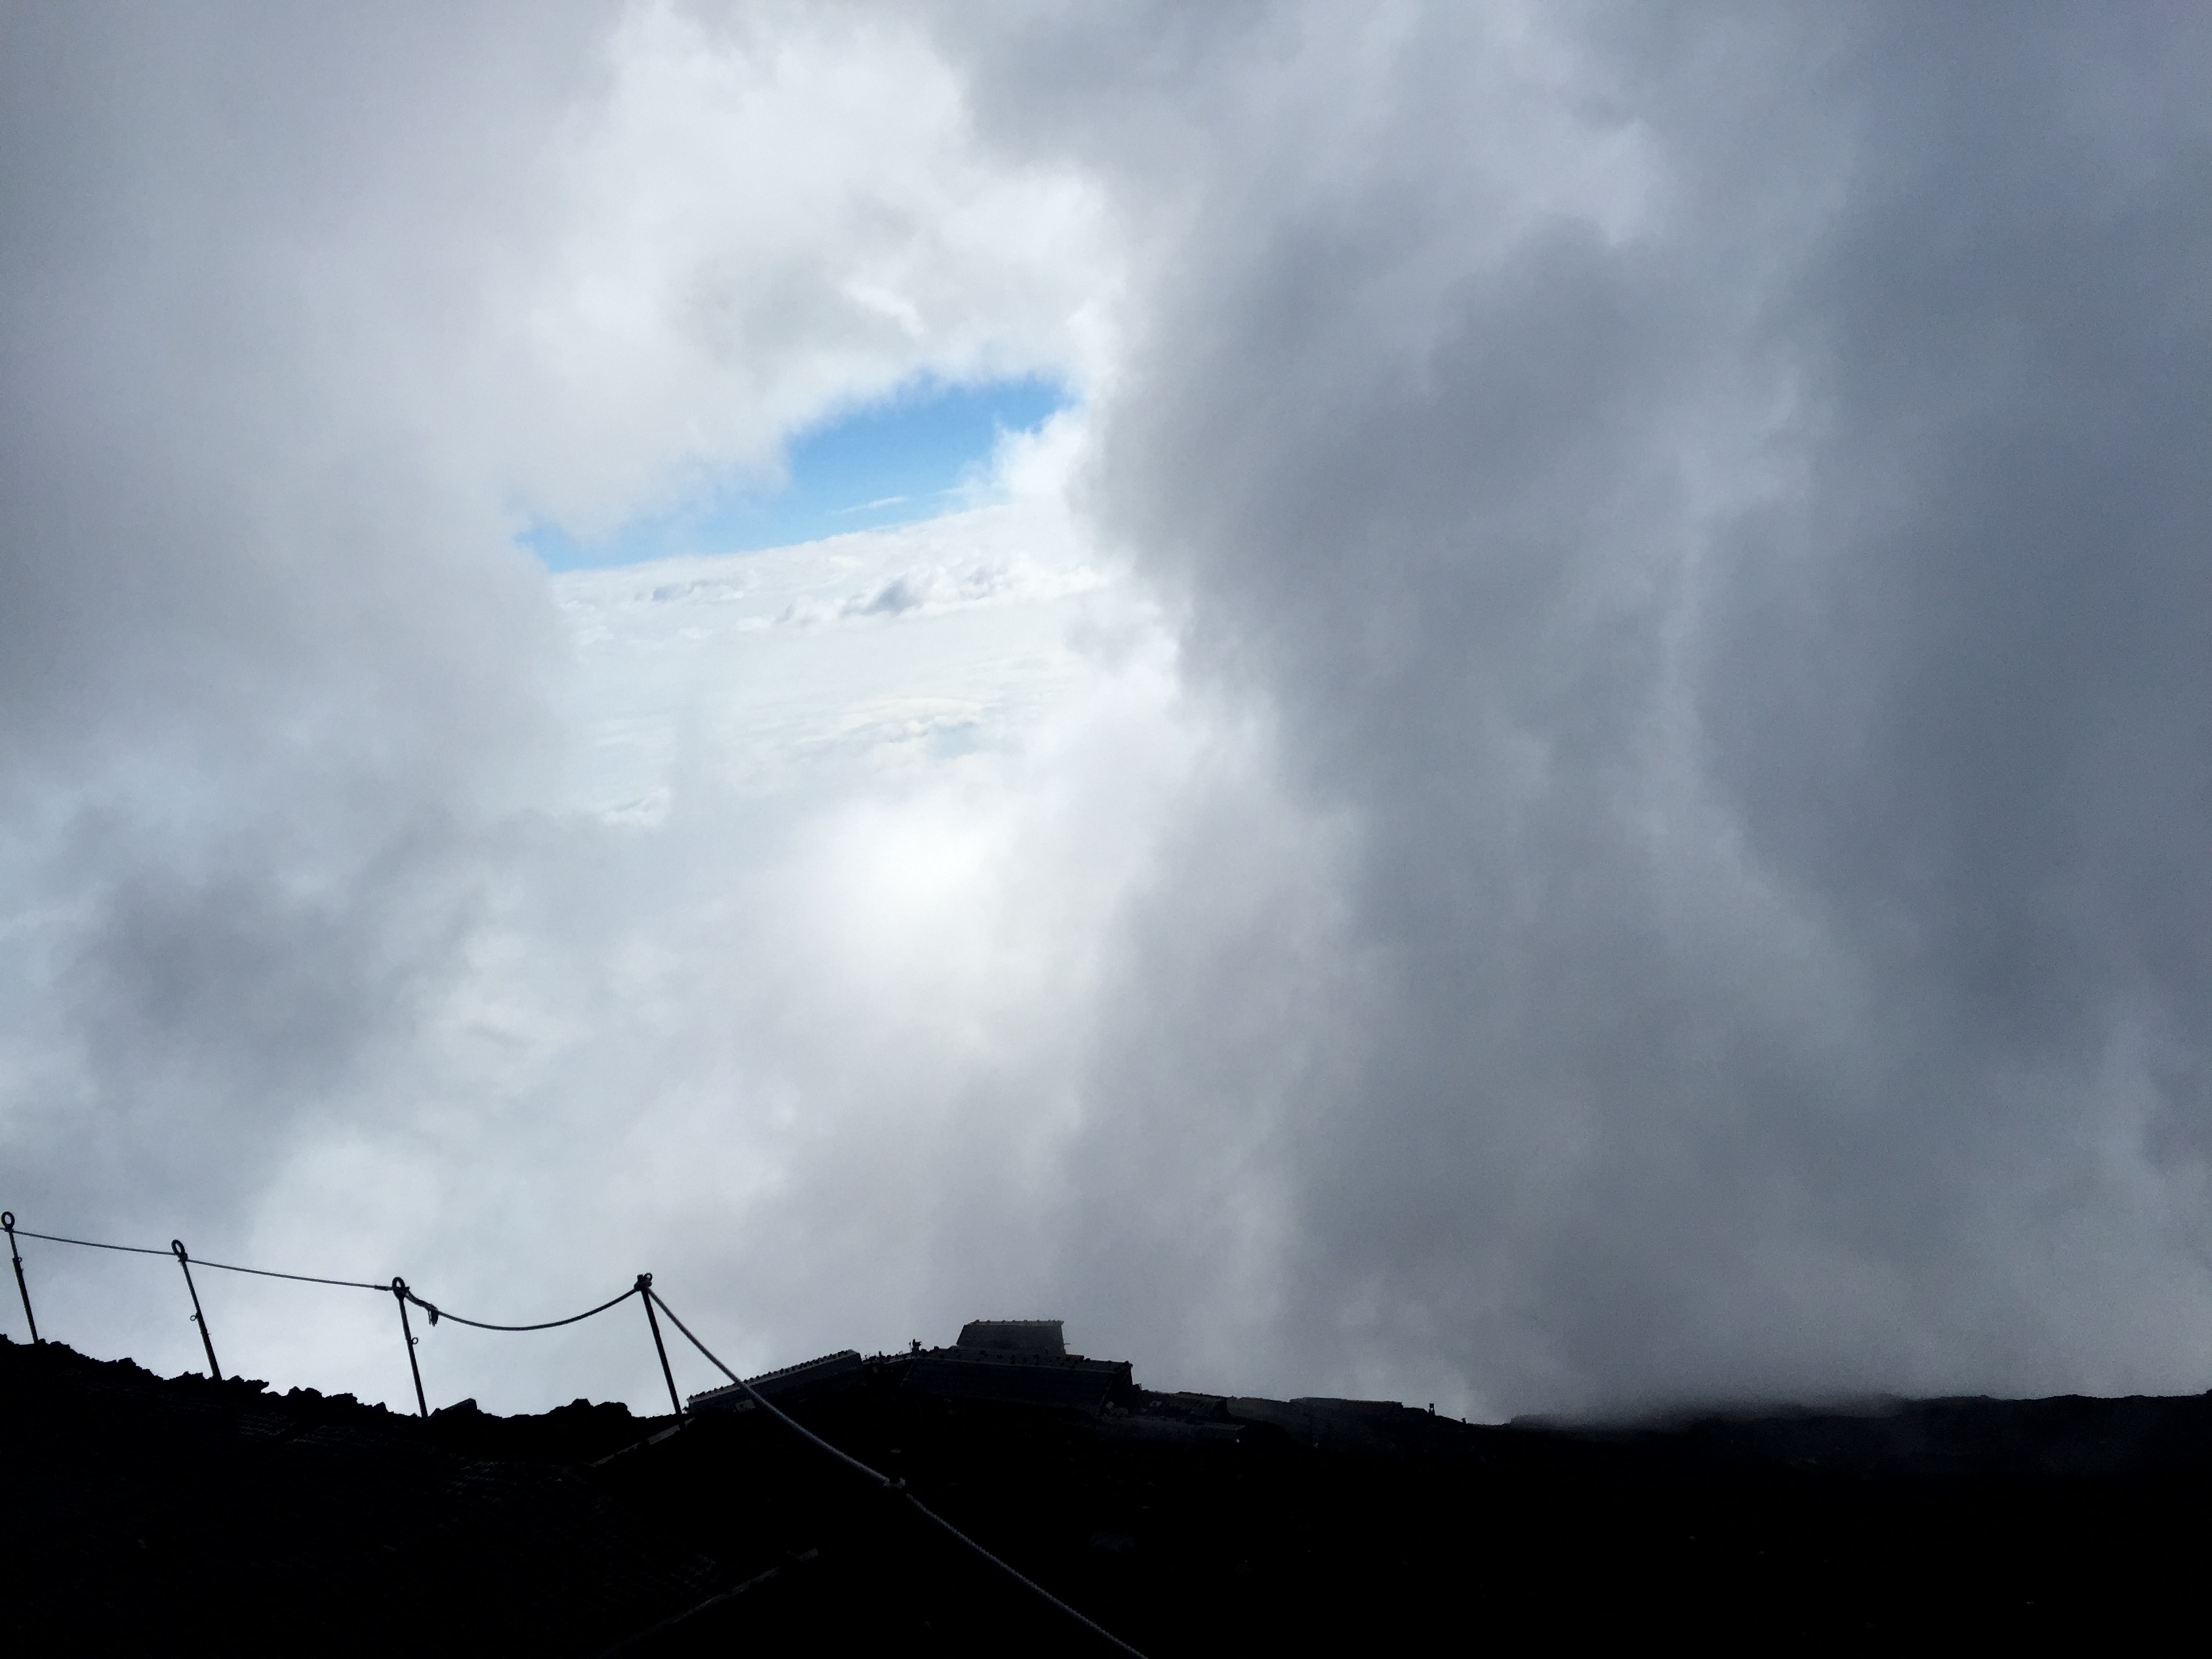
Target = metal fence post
(645,1295)
(7,1220)
(399,1293)
(199,1319)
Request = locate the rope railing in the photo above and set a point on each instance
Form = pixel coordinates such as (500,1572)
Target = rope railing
(404,1295)
(228,1266)
(399,1289)
(896,1487)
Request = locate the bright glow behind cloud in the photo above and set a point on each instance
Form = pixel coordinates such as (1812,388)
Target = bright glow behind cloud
(315,911)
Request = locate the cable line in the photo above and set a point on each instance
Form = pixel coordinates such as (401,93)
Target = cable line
(226,1266)
(302,1279)
(88,1244)
(398,1288)
(437,1313)
(898,1488)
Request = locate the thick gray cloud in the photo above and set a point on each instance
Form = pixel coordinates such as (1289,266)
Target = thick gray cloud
(239,744)
(1719,507)
(1677,864)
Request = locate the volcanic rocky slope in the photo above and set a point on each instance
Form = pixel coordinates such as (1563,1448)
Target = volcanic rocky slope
(182,1513)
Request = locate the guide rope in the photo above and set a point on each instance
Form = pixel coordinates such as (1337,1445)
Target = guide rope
(303,1279)
(895,1487)
(387,1288)
(437,1313)
(89,1244)
(228,1266)
(399,1290)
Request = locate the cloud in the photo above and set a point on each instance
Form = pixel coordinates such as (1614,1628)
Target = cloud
(1600,800)
(303,322)
(1716,515)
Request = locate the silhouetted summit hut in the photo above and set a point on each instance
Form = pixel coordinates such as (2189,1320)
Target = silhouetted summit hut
(1011,1362)
(1033,1336)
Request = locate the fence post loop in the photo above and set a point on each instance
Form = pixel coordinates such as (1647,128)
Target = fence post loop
(399,1293)
(8,1221)
(200,1318)
(645,1295)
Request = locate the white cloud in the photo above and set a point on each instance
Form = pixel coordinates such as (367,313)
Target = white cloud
(305,320)
(771,215)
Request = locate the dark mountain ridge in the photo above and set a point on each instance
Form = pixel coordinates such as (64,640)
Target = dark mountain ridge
(184,1512)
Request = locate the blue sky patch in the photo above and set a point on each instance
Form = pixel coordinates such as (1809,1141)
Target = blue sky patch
(888,463)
